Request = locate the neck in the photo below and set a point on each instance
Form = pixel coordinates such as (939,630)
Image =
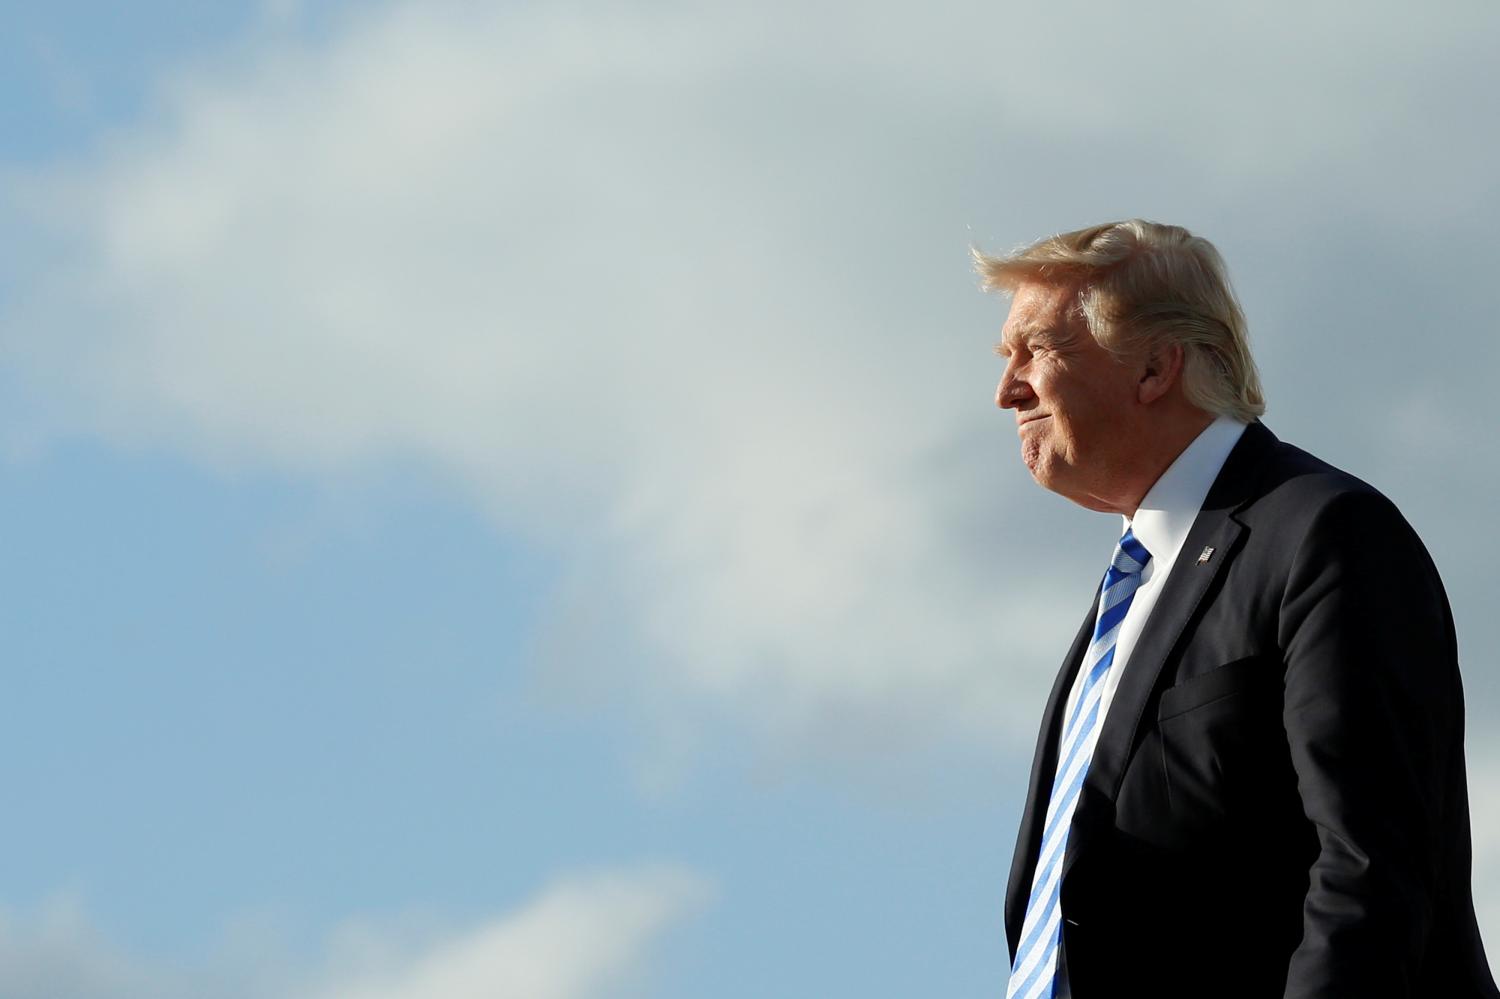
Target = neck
(1167,441)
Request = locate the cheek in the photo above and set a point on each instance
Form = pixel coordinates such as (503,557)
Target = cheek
(1056,434)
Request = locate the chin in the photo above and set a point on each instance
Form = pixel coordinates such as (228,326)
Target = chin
(1034,459)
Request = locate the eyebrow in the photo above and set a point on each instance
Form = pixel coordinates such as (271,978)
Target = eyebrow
(1049,335)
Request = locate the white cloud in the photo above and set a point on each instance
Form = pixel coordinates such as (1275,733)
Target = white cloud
(58,954)
(649,285)
(529,252)
(577,939)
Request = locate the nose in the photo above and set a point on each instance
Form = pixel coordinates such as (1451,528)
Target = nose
(1012,390)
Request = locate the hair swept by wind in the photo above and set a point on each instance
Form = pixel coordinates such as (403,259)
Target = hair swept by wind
(1142,286)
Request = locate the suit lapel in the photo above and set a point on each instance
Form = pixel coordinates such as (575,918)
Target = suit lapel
(1043,768)
(1184,590)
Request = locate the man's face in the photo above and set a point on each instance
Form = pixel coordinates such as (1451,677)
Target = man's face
(1075,403)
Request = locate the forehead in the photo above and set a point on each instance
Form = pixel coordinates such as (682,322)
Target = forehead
(1037,308)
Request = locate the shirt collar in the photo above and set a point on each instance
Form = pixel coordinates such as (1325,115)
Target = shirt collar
(1167,512)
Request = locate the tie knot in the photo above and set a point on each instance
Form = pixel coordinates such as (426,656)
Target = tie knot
(1130,555)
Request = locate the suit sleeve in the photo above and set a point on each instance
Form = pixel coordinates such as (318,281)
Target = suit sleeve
(1372,711)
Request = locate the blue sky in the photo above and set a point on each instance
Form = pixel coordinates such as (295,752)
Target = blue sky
(507,500)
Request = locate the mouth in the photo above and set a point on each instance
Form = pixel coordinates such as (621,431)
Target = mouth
(1032,419)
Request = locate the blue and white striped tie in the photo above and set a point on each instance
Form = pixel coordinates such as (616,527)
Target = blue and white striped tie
(1034,975)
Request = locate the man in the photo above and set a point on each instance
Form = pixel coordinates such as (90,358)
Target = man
(1250,774)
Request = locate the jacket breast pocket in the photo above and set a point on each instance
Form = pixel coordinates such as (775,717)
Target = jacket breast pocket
(1215,684)
(1217,729)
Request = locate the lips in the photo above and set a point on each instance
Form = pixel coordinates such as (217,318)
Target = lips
(1033,419)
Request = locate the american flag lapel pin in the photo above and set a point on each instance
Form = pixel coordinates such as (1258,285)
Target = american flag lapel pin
(1206,554)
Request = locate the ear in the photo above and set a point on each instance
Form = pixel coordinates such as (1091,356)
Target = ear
(1161,370)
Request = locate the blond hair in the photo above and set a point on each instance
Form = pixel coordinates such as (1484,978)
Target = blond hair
(1142,286)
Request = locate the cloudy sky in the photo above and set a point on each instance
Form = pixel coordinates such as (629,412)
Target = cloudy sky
(506,499)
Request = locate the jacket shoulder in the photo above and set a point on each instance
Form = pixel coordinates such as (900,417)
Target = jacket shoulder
(1295,489)
(1305,506)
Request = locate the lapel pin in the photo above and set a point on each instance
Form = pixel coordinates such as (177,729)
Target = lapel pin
(1205,555)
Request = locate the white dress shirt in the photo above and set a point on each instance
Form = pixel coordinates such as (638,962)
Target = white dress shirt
(1161,524)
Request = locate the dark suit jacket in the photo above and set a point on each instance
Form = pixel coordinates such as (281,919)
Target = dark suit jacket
(1277,803)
